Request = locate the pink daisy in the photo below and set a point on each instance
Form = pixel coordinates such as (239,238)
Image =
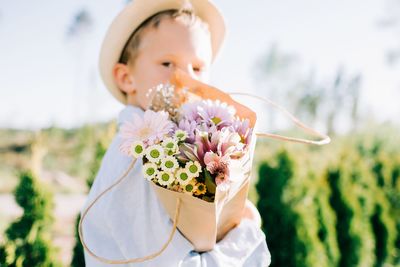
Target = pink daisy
(150,128)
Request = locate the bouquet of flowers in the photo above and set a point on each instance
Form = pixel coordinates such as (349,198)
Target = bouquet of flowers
(187,148)
(197,152)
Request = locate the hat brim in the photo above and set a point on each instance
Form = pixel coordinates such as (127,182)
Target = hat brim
(133,15)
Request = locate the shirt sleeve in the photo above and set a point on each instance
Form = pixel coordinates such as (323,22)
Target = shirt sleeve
(116,230)
(97,232)
(244,245)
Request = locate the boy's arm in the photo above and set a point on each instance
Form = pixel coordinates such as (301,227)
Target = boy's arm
(244,245)
(250,212)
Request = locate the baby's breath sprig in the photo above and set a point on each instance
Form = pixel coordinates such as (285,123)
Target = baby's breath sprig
(165,98)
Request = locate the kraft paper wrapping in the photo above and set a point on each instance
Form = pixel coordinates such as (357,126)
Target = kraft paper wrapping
(205,223)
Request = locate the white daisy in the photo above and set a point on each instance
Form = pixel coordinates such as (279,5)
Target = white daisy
(165,178)
(190,188)
(183,176)
(170,145)
(138,149)
(155,153)
(181,135)
(169,163)
(193,168)
(150,170)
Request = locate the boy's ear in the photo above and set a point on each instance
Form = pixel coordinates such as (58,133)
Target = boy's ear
(123,78)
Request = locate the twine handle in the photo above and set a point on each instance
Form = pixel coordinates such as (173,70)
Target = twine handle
(324,138)
(133,260)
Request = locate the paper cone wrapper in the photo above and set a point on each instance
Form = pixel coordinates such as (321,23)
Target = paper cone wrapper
(205,223)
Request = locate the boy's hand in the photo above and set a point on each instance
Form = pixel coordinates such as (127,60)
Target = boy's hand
(250,212)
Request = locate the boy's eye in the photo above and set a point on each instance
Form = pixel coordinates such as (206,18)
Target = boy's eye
(196,69)
(167,64)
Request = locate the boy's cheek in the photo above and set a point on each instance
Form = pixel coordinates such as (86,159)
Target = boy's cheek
(154,78)
(143,98)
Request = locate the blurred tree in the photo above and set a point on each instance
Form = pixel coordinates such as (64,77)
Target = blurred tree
(298,204)
(285,81)
(307,101)
(392,21)
(351,199)
(276,215)
(315,242)
(3,255)
(382,160)
(345,215)
(78,257)
(28,240)
(79,36)
(82,22)
(325,219)
(272,71)
(386,211)
(394,197)
(342,95)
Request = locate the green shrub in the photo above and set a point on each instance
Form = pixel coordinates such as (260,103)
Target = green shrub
(28,240)
(351,199)
(297,218)
(276,215)
(395,207)
(78,258)
(387,208)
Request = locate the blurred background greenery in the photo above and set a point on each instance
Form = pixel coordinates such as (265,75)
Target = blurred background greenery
(336,205)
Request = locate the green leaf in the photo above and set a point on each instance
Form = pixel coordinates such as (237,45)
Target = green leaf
(209,181)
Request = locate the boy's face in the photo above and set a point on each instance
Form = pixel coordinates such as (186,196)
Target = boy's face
(171,46)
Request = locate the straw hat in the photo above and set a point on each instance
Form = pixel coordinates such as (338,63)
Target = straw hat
(133,15)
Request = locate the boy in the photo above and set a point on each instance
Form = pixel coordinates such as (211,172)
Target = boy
(147,42)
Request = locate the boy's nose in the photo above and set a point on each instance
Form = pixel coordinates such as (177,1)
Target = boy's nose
(181,78)
(188,70)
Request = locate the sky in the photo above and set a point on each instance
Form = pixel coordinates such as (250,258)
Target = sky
(48,78)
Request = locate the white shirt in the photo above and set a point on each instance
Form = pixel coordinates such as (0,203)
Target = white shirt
(130,222)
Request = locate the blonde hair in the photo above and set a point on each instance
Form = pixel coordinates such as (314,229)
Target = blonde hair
(186,14)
